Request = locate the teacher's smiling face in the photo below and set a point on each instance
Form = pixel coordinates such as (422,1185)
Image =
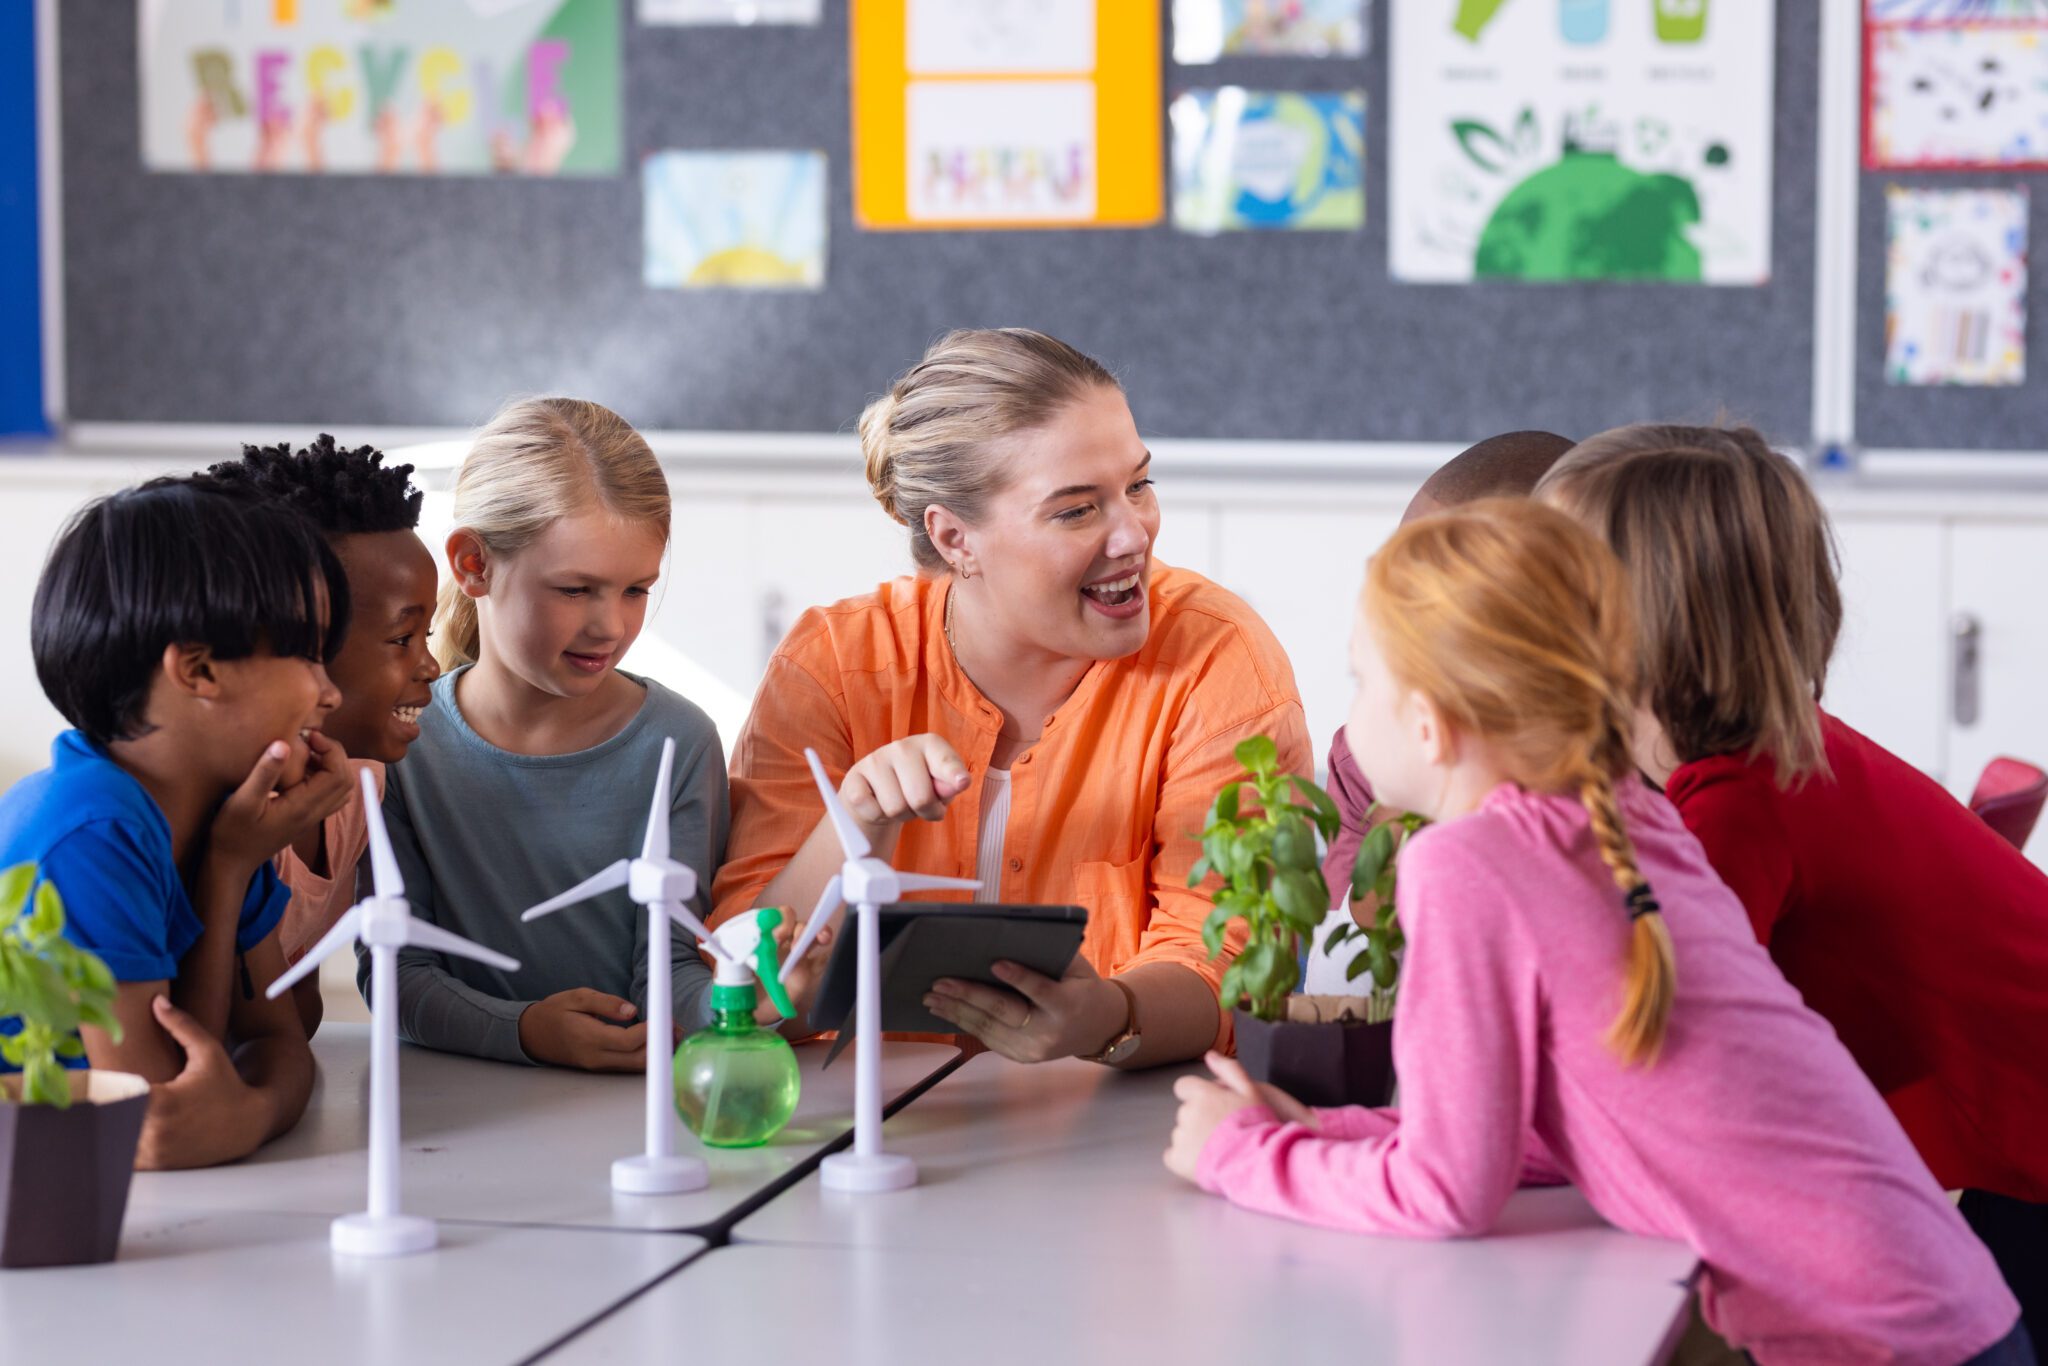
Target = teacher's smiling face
(1061,557)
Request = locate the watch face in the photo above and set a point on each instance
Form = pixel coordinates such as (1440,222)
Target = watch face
(1121,1049)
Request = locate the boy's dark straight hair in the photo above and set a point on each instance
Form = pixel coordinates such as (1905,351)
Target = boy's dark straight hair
(176,561)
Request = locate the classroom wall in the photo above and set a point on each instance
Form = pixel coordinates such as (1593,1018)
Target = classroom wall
(753,548)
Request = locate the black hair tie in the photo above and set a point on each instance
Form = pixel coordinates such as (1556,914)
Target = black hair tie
(1641,902)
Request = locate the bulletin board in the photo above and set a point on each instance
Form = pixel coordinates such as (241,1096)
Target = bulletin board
(302,300)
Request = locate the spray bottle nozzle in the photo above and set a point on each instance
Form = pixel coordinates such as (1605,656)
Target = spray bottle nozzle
(765,966)
(748,944)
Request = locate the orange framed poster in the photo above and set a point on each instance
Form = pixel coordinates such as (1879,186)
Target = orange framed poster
(1007,114)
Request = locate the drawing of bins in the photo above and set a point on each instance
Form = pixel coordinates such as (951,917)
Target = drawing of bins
(1680,21)
(1583,21)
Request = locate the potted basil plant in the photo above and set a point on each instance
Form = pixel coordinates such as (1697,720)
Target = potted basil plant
(1321,1050)
(67,1137)
(1372,878)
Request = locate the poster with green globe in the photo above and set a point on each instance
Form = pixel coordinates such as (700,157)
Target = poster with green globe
(1581,140)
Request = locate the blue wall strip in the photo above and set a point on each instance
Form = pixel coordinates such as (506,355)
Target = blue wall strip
(21,339)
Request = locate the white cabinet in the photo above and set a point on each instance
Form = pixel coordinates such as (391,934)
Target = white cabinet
(29,522)
(1890,676)
(1301,567)
(1997,574)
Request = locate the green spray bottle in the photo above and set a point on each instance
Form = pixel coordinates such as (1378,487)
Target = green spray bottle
(737,1082)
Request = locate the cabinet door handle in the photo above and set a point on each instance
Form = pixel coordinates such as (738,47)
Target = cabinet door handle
(1966,649)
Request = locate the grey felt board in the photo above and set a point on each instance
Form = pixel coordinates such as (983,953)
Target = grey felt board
(1946,417)
(303,300)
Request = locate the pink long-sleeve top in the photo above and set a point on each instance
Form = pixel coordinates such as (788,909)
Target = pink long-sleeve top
(1754,1138)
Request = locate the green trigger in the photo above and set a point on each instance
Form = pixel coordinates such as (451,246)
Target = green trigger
(765,966)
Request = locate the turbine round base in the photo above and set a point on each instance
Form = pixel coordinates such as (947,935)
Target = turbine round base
(868,1175)
(370,1235)
(642,1174)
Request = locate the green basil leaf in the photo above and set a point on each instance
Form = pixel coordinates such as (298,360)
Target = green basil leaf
(1294,843)
(1328,819)
(1258,754)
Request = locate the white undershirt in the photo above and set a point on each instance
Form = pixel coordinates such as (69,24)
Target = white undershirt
(995,824)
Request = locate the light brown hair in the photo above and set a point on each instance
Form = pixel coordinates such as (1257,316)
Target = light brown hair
(933,438)
(1514,622)
(1733,572)
(538,460)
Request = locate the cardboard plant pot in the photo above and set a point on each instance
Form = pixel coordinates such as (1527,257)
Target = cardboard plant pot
(1325,1053)
(64,1173)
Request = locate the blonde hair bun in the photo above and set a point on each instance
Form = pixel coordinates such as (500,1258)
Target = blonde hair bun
(874,449)
(934,439)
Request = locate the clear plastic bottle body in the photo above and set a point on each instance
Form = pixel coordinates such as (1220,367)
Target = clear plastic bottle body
(736,1083)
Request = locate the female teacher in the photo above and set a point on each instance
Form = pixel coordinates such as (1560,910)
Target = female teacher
(1043,705)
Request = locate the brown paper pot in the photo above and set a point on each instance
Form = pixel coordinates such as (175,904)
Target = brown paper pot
(1346,1062)
(64,1173)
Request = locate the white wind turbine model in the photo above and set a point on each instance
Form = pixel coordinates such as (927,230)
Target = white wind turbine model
(864,883)
(385,924)
(664,887)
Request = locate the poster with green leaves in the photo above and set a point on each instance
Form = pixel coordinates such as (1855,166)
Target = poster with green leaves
(1574,140)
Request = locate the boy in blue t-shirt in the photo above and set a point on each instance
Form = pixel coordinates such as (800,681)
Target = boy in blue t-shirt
(181,627)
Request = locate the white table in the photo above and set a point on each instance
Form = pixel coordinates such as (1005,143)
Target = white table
(1045,1228)
(239,1286)
(502,1143)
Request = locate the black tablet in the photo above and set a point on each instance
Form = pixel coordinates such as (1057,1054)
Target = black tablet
(924,941)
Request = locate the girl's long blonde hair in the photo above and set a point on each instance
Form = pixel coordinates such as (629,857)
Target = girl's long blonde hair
(1515,622)
(537,460)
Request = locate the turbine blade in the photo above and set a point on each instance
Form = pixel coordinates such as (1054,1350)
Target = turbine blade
(383,863)
(848,829)
(421,934)
(342,932)
(654,847)
(925,882)
(613,875)
(683,916)
(827,904)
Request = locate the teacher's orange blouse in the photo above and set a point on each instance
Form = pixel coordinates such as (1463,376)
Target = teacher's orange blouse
(1105,809)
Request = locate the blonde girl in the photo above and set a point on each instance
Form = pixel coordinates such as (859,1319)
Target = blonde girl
(534,759)
(1582,997)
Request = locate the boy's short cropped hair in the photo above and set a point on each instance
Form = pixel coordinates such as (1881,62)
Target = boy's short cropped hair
(343,490)
(178,560)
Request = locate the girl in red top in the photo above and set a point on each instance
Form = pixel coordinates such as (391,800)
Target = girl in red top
(1912,926)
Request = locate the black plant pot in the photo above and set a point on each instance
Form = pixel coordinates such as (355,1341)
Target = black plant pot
(1343,1062)
(64,1173)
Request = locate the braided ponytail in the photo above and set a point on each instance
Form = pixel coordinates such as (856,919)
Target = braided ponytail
(1638,1031)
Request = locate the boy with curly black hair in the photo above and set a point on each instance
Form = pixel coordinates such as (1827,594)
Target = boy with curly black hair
(368,512)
